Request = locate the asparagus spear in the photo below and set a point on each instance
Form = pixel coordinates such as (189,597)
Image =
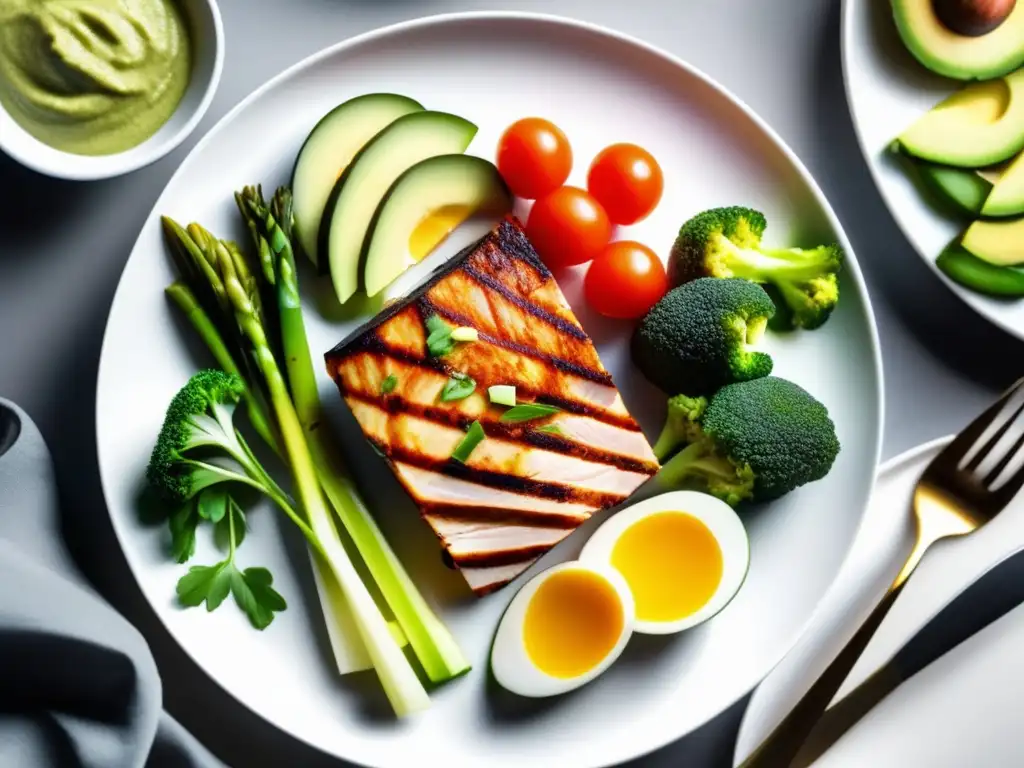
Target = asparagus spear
(233,283)
(434,646)
(350,653)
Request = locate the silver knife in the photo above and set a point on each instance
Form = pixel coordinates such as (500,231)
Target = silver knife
(994,594)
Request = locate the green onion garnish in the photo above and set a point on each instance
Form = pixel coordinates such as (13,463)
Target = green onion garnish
(465,333)
(439,336)
(502,394)
(528,412)
(474,436)
(551,429)
(388,385)
(458,387)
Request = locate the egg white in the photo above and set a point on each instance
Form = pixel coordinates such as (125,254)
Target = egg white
(723,523)
(510,662)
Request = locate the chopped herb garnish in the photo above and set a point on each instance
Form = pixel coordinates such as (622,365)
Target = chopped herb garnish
(474,436)
(388,385)
(502,394)
(551,429)
(528,412)
(439,336)
(465,333)
(458,387)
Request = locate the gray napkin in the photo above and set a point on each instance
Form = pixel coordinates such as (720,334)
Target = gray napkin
(78,685)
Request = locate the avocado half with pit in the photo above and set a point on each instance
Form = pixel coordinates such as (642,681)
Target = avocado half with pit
(422,207)
(963,57)
(997,242)
(982,124)
(361,189)
(329,149)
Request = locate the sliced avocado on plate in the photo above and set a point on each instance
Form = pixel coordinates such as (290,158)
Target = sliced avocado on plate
(1007,196)
(421,209)
(980,125)
(971,272)
(997,242)
(328,150)
(961,189)
(962,57)
(356,196)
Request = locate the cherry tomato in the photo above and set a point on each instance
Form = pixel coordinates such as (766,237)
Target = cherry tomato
(627,181)
(625,280)
(534,157)
(568,227)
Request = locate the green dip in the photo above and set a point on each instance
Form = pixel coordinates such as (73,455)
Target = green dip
(92,77)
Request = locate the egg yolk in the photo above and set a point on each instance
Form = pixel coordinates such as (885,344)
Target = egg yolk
(673,565)
(572,622)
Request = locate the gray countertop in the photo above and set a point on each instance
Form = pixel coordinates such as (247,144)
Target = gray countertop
(64,245)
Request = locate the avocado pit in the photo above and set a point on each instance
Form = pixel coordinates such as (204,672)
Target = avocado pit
(973,18)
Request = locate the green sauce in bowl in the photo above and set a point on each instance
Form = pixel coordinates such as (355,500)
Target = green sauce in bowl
(92,77)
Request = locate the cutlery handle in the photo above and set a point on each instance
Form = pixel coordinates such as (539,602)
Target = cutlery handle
(784,743)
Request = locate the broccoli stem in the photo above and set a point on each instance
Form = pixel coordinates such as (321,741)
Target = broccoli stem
(277,494)
(695,458)
(755,330)
(431,641)
(667,442)
(791,264)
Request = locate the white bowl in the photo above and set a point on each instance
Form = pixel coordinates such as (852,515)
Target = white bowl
(207,36)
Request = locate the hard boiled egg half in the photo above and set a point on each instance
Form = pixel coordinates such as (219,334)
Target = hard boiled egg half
(660,566)
(683,554)
(563,628)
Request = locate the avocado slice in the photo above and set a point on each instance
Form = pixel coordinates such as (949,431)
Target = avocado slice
(981,124)
(997,242)
(327,151)
(959,56)
(962,189)
(971,272)
(422,207)
(1007,196)
(361,188)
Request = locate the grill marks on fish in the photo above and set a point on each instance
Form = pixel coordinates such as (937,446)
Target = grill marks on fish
(524,349)
(533,378)
(522,490)
(474,408)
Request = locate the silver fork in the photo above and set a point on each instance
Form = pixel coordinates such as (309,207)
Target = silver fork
(969,483)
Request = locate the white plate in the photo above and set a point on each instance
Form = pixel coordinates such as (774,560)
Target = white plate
(985,669)
(600,87)
(887,90)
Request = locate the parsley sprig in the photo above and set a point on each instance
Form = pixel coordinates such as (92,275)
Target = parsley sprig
(251,588)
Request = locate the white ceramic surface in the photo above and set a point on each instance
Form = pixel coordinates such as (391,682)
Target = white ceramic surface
(207,35)
(923,722)
(600,87)
(887,89)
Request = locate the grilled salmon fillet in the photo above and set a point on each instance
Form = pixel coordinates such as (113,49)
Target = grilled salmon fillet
(527,485)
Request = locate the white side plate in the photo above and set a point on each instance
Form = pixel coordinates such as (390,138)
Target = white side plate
(922,722)
(887,90)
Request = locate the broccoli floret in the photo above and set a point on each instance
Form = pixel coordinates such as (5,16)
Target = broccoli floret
(755,440)
(726,242)
(699,336)
(199,421)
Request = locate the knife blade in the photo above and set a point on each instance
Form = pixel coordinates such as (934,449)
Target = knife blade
(995,593)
